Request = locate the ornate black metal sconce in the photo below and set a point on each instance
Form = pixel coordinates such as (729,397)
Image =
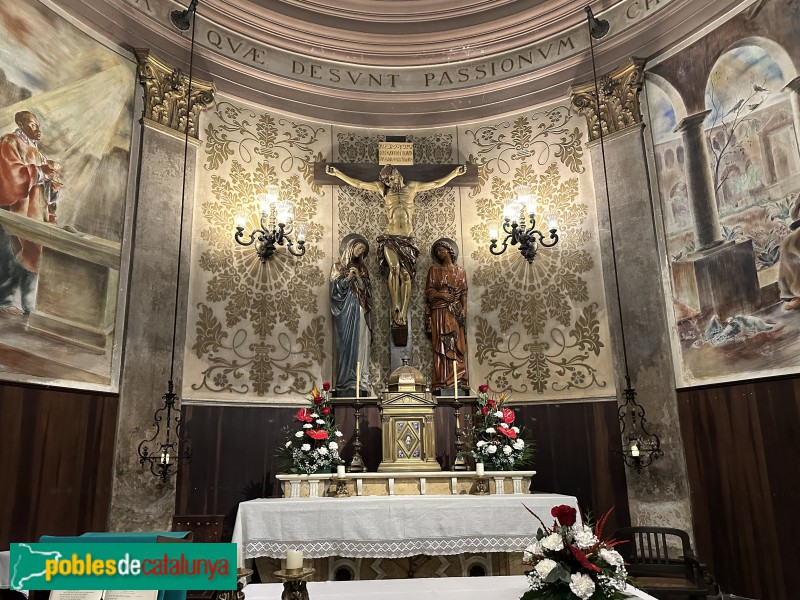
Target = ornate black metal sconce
(275,228)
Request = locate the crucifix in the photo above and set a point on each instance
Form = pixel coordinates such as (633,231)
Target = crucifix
(397,249)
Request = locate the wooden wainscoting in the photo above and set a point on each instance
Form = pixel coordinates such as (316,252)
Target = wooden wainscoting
(56,462)
(743,464)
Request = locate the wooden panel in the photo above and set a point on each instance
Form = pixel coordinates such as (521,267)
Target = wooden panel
(741,454)
(56,457)
(235,449)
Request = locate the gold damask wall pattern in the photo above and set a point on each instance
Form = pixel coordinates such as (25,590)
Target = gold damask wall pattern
(259,329)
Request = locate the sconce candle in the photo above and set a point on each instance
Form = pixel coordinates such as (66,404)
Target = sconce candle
(358,380)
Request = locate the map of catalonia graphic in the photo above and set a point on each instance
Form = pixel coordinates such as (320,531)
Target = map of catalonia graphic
(29,564)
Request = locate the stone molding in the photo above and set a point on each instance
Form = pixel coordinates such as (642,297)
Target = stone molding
(619,99)
(165,90)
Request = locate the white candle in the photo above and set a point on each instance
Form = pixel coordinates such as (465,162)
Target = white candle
(358,380)
(340,470)
(294,560)
(455,379)
(634,450)
(479,469)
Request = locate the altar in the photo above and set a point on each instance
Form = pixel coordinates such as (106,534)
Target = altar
(390,527)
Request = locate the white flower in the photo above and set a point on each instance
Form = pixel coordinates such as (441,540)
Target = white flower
(503,425)
(552,542)
(289,444)
(299,434)
(314,416)
(612,557)
(584,536)
(333,446)
(518,444)
(305,447)
(498,414)
(490,430)
(322,450)
(480,444)
(515,429)
(307,425)
(320,422)
(507,450)
(339,434)
(491,448)
(581,585)
(544,567)
(535,549)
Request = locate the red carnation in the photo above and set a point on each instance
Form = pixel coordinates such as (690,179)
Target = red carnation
(508,416)
(508,432)
(564,514)
(326,410)
(326,385)
(484,410)
(317,434)
(483,388)
(304,415)
(317,400)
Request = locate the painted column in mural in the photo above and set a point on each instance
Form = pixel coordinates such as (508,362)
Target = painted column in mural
(699,184)
(154,273)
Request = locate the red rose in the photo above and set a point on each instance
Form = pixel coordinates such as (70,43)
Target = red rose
(484,410)
(304,415)
(508,415)
(326,385)
(317,434)
(491,403)
(326,410)
(317,400)
(508,432)
(564,514)
(483,388)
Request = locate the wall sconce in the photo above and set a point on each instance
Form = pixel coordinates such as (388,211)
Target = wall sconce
(523,231)
(638,447)
(276,226)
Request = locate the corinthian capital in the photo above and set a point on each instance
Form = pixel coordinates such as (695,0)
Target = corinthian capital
(165,91)
(619,99)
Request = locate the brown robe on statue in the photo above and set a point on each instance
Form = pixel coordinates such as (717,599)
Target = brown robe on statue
(447,324)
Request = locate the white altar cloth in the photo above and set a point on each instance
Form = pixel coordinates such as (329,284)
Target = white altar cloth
(445,588)
(391,526)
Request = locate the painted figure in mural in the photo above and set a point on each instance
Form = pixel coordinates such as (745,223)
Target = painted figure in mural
(29,186)
(789,267)
(350,294)
(397,249)
(446,291)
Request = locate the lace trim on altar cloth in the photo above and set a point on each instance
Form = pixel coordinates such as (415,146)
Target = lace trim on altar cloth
(389,548)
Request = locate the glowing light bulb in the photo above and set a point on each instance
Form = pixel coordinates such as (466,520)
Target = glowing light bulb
(493,234)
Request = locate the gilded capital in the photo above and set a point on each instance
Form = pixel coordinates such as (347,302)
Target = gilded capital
(165,93)
(619,99)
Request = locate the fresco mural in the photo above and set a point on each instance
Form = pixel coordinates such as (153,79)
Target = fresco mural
(264,333)
(735,303)
(66,105)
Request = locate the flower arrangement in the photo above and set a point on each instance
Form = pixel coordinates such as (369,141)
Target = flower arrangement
(570,560)
(497,442)
(314,446)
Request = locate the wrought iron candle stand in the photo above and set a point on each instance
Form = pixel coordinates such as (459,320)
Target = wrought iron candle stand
(238,593)
(460,464)
(357,463)
(294,583)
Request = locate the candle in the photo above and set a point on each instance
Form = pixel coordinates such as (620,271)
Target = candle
(479,469)
(294,560)
(340,470)
(634,450)
(358,379)
(455,379)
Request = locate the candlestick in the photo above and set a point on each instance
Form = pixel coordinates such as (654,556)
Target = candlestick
(294,560)
(479,469)
(358,379)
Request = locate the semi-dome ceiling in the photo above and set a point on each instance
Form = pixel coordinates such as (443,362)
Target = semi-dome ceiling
(398,63)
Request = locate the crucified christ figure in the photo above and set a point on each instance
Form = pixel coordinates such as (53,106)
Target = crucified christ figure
(397,248)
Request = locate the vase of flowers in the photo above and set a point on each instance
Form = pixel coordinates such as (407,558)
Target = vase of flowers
(571,560)
(497,441)
(313,444)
